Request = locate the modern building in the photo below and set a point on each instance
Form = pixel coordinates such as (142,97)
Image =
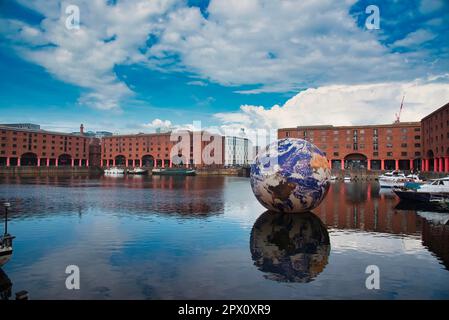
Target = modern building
(27,146)
(371,147)
(237,151)
(435,140)
(154,150)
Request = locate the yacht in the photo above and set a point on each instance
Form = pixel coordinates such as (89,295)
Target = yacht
(397,179)
(437,190)
(114,171)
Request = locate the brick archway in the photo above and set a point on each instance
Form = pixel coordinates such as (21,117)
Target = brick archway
(29,159)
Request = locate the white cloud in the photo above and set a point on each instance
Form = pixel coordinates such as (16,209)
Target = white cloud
(281,46)
(84,57)
(429,6)
(159,124)
(275,46)
(344,105)
(415,38)
(197,83)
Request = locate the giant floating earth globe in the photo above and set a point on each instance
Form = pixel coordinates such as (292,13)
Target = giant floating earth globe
(290,175)
(290,247)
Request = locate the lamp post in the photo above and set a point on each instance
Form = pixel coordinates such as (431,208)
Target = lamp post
(6,205)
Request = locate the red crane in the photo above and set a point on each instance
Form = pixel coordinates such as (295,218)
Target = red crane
(398,115)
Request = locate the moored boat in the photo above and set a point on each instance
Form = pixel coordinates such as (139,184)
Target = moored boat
(397,179)
(114,171)
(138,171)
(174,171)
(436,190)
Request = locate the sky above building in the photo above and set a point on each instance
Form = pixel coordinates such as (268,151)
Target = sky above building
(134,66)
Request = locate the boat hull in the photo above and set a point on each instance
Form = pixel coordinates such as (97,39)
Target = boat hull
(413,195)
(174,172)
(5,255)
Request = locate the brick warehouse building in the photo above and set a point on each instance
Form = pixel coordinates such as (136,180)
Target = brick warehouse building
(148,150)
(435,140)
(30,146)
(372,147)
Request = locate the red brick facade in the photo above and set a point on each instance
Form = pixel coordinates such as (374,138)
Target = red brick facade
(148,150)
(23,147)
(372,147)
(435,140)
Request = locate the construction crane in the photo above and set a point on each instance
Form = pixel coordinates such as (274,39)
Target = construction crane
(398,115)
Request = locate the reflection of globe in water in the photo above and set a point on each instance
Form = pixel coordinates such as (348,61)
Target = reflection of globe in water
(290,175)
(290,247)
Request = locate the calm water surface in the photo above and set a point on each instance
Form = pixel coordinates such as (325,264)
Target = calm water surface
(208,238)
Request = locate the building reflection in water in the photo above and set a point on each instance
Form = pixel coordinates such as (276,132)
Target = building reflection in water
(290,247)
(435,236)
(365,207)
(295,247)
(5,286)
(135,195)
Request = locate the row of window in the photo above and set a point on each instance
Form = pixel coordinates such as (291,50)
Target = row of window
(389,154)
(29,147)
(357,146)
(354,132)
(25,134)
(2,152)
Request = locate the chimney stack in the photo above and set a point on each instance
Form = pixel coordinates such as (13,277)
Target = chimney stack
(82,129)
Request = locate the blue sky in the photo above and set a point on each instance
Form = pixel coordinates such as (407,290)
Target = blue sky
(232,64)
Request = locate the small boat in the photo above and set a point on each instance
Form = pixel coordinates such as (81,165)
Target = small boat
(436,191)
(333,178)
(5,241)
(174,171)
(138,171)
(397,179)
(347,179)
(114,171)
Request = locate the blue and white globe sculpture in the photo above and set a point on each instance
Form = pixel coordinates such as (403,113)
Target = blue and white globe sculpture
(291,176)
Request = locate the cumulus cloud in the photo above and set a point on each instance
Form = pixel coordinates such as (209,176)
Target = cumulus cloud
(415,38)
(273,46)
(109,35)
(344,105)
(159,124)
(167,125)
(280,46)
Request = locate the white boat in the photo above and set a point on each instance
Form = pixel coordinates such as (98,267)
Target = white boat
(436,186)
(137,171)
(436,191)
(397,179)
(114,171)
(333,178)
(347,178)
